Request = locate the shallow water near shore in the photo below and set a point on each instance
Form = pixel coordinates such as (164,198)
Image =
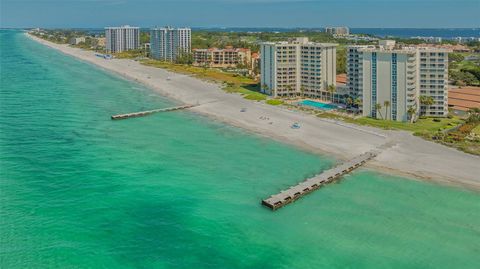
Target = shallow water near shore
(177,190)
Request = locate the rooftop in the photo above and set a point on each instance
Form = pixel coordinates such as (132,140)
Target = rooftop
(464,98)
(301,41)
(227,49)
(341,79)
(123,26)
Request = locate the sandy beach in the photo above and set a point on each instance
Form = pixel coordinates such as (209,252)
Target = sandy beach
(408,155)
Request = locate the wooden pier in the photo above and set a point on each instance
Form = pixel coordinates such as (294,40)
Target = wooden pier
(148,112)
(285,197)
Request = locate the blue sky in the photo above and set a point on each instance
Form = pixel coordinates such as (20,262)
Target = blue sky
(241,13)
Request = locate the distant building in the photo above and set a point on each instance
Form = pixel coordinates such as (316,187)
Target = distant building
(76,40)
(255,64)
(168,43)
(118,39)
(386,44)
(454,48)
(337,30)
(296,68)
(430,39)
(101,41)
(222,58)
(400,77)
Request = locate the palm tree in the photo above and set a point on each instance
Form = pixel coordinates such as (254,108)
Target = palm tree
(411,112)
(386,104)
(426,101)
(349,101)
(302,91)
(378,107)
(331,89)
(264,88)
(357,102)
(289,89)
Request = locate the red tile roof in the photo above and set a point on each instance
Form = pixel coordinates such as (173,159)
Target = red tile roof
(464,98)
(342,78)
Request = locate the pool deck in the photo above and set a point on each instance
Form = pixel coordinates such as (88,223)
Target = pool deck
(318,104)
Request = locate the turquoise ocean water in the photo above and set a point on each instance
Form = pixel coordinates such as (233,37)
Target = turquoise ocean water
(176,190)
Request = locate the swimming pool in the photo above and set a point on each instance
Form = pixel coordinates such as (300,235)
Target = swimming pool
(317,105)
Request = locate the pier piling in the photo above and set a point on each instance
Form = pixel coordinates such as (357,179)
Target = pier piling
(148,112)
(285,197)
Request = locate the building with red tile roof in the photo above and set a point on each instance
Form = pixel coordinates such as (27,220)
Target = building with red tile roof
(464,98)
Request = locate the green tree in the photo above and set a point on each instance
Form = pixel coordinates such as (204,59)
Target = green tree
(184,58)
(349,101)
(386,104)
(331,89)
(474,115)
(378,107)
(411,112)
(461,77)
(265,88)
(455,57)
(426,102)
(341,60)
(302,91)
(358,103)
(144,37)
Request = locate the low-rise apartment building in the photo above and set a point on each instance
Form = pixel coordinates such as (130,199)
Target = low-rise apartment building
(222,58)
(76,40)
(297,68)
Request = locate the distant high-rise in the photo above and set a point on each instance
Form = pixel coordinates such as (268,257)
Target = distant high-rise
(297,68)
(118,39)
(168,43)
(398,77)
(337,30)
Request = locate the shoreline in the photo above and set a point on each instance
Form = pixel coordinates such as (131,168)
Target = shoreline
(410,156)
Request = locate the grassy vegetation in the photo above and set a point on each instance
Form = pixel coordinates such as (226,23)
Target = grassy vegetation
(233,83)
(461,138)
(274,102)
(463,72)
(130,54)
(247,93)
(453,132)
(428,125)
(476,130)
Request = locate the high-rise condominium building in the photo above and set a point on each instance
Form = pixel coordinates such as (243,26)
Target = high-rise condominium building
(118,39)
(297,68)
(168,43)
(433,80)
(337,30)
(396,78)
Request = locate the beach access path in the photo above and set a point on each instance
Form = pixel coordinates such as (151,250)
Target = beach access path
(409,155)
